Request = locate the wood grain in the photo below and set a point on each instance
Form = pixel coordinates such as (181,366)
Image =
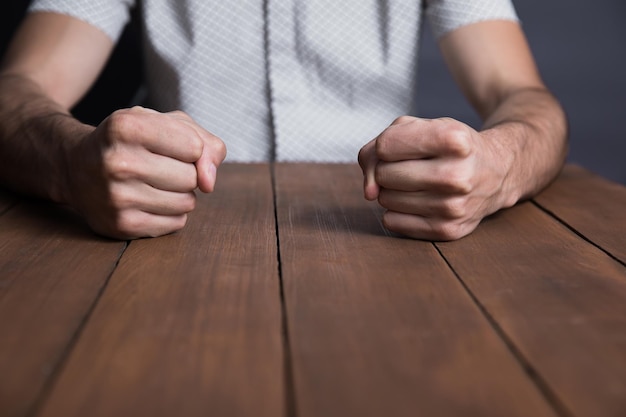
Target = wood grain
(52,269)
(560,300)
(591,205)
(379,325)
(190,323)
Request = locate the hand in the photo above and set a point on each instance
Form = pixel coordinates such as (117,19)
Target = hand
(135,174)
(437,178)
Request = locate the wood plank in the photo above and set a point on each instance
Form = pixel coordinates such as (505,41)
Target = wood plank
(593,206)
(560,300)
(190,323)
(379,325)
(52,269)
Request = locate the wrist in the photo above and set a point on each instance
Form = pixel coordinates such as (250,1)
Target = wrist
(72,135)
(504,151)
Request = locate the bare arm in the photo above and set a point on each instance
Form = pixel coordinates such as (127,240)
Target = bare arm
(439,178)
(132,176)
(495,69)
(50,64)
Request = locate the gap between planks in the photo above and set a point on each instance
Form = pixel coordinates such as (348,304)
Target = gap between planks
(550,396)
(290,394)
(58,368)
(576,232)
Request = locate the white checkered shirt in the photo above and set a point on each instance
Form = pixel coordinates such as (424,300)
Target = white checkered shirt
(290,80)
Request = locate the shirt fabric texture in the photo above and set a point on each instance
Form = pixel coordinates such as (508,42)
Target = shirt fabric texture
(285,80)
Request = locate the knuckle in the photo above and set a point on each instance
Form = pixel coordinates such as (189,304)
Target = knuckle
(196,147)
(455,208)
(384,146)
(125,225)
(118,165)
(445,231)
(383,199)
(381,175)
(119,199)
(402,120)
(456,180)
(214,145)
(180,222)
(220,148)
(388,223)
(461,184)
(188,203)
(456,137)
(120,124)
(174,225)
(190,182)
(386,142)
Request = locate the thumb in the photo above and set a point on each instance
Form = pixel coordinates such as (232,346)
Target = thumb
(368,161)
(213,153)
(207,172)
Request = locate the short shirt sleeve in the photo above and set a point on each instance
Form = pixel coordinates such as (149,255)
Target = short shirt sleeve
(447,15)
(110,16)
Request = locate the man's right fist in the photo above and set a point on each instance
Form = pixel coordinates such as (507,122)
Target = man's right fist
(135,174)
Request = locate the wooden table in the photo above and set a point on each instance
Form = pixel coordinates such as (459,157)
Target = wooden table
(284,296)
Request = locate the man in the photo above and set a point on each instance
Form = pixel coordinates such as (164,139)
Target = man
(277,80)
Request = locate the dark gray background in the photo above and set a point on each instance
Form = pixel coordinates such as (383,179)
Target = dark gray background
(580,47)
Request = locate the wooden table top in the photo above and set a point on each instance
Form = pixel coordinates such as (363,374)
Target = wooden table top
(284,296)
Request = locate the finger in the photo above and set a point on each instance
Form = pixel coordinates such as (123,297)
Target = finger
(410,175)
(159,225)
(435,175)
(170,204)
(156,132)
(176,136)
(213,154)
(425,228)
(137,195)
(124,163)
(206,173)
(137,224)
(213,146)
(167,174)
(367,160)
(424,204)
(414,138)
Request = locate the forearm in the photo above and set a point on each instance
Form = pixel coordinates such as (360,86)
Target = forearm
(35,135)
(529,131)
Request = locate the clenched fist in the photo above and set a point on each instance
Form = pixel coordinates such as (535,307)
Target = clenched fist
(135,174)
(437,178)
